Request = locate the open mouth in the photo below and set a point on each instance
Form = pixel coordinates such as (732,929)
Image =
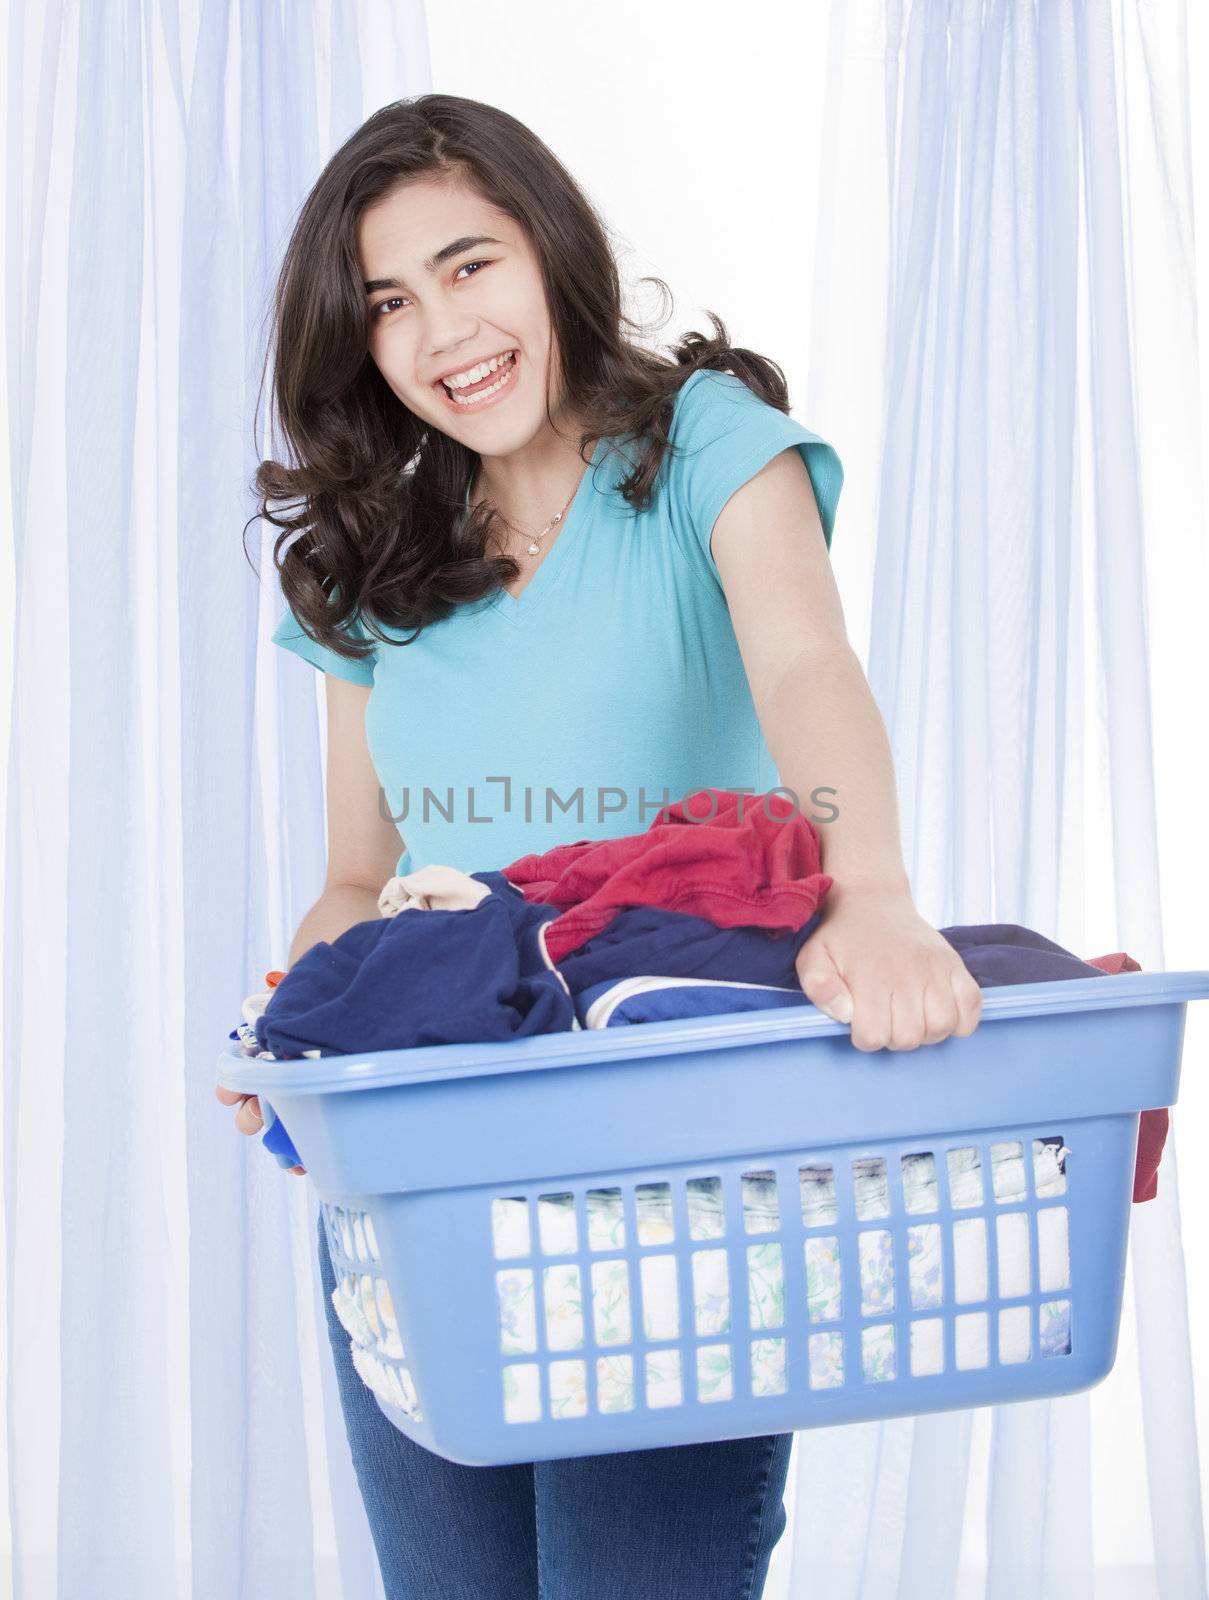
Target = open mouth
(474,395)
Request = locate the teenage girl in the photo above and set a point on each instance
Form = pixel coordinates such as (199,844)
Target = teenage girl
(543,567)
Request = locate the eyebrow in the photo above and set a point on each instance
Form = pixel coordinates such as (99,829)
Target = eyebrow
(470,241)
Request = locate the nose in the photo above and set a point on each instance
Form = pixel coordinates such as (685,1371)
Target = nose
(448,351)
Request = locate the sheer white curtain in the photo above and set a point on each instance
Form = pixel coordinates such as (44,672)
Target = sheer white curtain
(1003,352)
(1006,233)
(170,1420)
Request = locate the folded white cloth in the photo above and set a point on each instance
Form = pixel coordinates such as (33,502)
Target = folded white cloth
(432,888)
(390,1383)
(245,1032)
(254,1006)
(366,1311)
(563,1297)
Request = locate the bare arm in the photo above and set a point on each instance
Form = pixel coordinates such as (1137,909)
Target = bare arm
(820,721)
(363,847)
(337,909)
(873,960)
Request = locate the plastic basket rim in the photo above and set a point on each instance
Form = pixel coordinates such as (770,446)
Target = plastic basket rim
(587,1046)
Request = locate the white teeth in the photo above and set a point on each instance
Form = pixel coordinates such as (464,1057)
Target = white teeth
(476,374)
(474,399)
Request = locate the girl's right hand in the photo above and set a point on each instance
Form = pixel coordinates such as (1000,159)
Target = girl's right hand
(248,1118)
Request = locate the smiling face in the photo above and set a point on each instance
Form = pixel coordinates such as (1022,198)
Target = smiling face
(452,282)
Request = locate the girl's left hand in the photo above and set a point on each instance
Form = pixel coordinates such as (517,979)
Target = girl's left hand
(874,962)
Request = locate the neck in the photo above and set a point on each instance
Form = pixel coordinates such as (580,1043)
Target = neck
(530,485)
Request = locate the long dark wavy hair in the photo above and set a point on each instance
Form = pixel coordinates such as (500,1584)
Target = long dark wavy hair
(380,529)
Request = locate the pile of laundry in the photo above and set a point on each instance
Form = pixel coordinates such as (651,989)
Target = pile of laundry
(562,1289)
(698,915)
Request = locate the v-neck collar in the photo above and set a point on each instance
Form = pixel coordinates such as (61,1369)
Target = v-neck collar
(514,607)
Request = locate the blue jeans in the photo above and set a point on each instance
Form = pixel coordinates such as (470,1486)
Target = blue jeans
(690,1522)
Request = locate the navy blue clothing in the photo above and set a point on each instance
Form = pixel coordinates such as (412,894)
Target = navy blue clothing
(420,978)
(998,953)
(994,954)
(440,977)
(643,939)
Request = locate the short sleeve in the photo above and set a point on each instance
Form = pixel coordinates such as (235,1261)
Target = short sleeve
(724,434)
(288,633)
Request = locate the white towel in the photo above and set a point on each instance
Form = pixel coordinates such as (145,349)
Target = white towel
(563,1296)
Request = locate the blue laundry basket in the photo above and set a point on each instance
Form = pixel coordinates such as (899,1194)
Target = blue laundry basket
(673,1232)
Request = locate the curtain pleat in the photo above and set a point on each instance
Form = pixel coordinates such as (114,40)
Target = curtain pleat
(1007,642)
(172,1422)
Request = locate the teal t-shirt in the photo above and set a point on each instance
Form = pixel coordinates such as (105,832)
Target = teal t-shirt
(611,686)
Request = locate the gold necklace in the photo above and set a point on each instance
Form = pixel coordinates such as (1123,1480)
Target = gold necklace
(535,540)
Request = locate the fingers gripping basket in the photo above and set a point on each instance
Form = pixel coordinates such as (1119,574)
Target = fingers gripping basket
(681,1231)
